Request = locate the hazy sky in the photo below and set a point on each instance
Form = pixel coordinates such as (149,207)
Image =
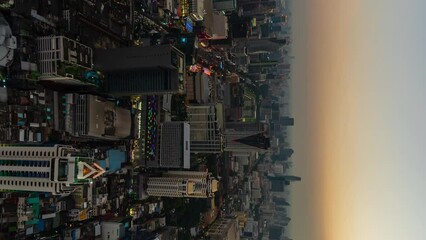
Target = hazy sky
(359,102)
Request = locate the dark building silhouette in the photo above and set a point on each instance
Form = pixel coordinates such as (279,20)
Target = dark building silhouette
(286,153)
(275,232)
(287,121)
(144,70)
(279,182)
(279,201)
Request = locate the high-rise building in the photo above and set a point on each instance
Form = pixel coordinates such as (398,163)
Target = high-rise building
(166,145)
(174,145)
(143,70)
(246,137)
(45,169)
(205,129)
(246,142)
(183,184)
(94,117)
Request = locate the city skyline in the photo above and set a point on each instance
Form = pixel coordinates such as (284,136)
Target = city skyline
(357,91)
(145,120)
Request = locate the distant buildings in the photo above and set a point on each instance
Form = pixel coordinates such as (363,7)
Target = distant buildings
(183,184)
(142,71)
(278,182)
(286,121)
(45,169)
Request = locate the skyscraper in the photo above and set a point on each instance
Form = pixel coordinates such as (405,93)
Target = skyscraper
(166,145)
(205,129)
(45,169)
(183,184)
(246,137)
(246,142)
(145,70)
(174,145)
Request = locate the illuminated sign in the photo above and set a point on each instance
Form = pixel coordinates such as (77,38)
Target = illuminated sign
(139,118)
(207,72)
(151,128)
(254,22)
(195,68)
(188,25)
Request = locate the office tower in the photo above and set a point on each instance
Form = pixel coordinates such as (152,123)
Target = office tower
(246,142)
(143,70)
(205,129)
(168,149)
(246,137)
(287,121)
(174,145)
(224,228)
(183,184)
(45,169)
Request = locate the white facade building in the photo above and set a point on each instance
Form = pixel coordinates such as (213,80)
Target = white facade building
(57,53)
(183,184)
(44,169)
(112,230)
(205,129)
(7,43)
(174,145)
